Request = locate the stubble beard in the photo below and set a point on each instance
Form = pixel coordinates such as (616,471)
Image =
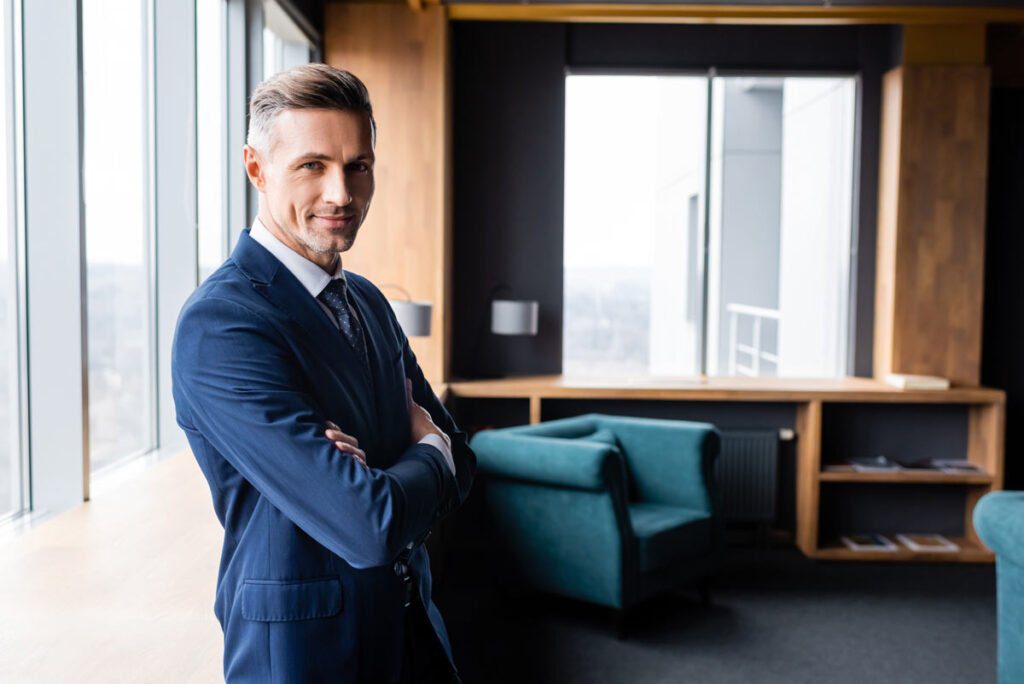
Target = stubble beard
(323,244)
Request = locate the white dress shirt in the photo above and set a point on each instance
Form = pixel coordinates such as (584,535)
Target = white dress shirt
(315,279)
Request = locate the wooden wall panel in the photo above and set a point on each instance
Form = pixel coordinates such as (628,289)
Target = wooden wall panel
(402,56)
(931,226)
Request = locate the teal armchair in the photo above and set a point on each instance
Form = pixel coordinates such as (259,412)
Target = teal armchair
(601,508)
(999,521)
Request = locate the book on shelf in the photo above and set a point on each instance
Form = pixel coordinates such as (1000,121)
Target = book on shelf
(932,543)
(868,542)
(916,382)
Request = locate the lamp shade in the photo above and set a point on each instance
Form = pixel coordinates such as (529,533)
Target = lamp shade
(414,317)
(514,317)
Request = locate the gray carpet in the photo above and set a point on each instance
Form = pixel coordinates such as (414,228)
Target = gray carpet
(774,617)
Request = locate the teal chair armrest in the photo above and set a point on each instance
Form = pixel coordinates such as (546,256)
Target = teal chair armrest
(670,461)
(999,521)
(547,460)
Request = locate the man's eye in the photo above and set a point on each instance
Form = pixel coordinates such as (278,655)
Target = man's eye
(311,166)
(360,168)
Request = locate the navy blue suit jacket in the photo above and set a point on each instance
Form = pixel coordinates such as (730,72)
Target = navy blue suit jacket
(306,589)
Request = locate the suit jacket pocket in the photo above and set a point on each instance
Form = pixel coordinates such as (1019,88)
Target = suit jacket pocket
(287,600)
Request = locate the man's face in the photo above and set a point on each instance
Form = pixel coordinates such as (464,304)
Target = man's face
(316,179)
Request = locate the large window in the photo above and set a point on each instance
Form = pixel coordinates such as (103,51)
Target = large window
(117,225)
(211,122)
(11,501)
(768,192)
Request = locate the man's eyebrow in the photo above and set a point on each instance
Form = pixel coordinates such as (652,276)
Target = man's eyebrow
(320,156)
(314,156)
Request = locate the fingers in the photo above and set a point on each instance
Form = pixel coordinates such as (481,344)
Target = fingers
(356,452)
(344,442)
(338,436)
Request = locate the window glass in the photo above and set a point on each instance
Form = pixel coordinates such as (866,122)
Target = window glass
(116,177)
(634,207)
(10,418)
(211,103)
(284,44)
(779,245)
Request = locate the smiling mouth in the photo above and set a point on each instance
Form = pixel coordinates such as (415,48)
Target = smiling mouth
(336,220)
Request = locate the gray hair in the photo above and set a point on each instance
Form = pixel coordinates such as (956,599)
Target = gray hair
(309,86)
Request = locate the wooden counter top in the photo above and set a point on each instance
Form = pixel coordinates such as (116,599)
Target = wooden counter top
(717,389)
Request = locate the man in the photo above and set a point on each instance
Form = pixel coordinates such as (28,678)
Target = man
(328,455)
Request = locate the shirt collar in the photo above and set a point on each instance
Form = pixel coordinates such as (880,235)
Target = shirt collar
(312,277)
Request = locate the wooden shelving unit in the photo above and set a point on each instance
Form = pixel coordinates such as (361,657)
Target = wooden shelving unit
(985,425)
(986,418)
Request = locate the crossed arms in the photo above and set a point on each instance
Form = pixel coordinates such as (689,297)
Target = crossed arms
(237,383)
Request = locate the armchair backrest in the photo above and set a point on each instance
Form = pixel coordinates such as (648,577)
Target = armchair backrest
(669,461)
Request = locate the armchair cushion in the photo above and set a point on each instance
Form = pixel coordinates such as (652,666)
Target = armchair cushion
(668,534)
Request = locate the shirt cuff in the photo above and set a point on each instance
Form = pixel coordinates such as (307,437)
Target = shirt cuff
(439,442)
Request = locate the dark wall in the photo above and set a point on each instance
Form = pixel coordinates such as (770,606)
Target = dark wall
(509,110)
(1002,354)
(509,122)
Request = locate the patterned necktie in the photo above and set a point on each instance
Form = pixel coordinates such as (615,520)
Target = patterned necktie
(335,296)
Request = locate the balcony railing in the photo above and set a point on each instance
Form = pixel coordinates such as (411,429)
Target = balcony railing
(754,351)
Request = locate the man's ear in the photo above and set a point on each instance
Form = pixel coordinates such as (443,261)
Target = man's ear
(254,167)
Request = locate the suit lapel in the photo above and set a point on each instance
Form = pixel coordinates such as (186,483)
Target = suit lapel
(282,289)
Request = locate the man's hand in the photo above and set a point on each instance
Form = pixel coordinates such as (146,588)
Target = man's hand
(346,443)
(423,427)
(420,424)
(420,421)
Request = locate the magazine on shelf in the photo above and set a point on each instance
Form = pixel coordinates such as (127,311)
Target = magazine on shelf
(875,464)
(927,542)
(868,542)
(946,465)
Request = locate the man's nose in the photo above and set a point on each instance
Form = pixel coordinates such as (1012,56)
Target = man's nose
(336,190)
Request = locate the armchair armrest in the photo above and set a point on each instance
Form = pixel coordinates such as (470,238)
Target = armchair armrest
(547,460)
(999,521)
(670,461)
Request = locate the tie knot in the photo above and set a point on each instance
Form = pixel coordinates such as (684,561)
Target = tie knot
(336,288)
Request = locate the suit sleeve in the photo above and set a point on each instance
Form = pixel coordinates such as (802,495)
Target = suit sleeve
(243,391)
(423,394)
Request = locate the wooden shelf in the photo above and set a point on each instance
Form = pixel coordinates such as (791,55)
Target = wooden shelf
(968,553)
(848,474)
(717,389)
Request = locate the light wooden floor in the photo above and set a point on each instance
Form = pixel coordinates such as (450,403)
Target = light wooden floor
(119,589)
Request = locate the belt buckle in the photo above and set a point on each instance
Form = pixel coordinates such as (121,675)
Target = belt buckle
(408,590)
